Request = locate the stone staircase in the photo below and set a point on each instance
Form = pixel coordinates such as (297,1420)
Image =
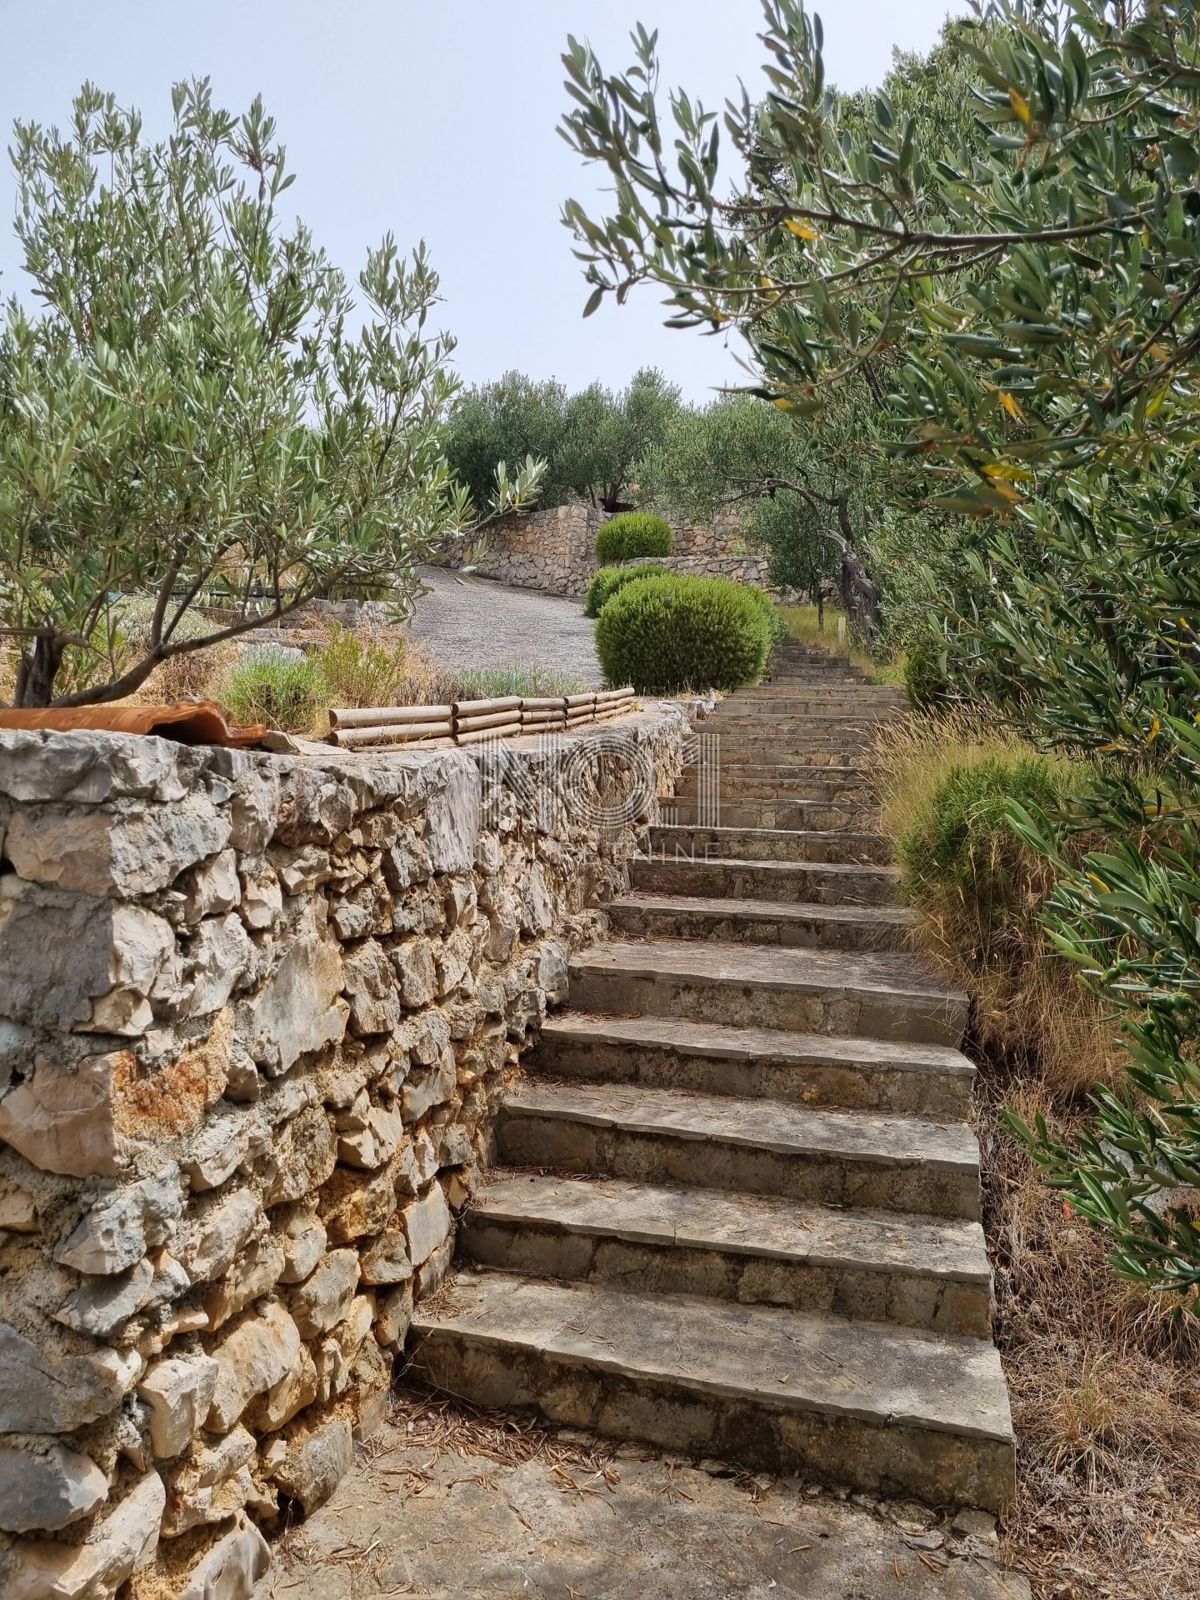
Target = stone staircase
(736,1206)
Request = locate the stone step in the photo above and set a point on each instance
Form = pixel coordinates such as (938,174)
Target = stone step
(753,921)
(883,1409)
(764,844)
(821,883)
(882,996)
(854,816)
(713,1059)
(791,780)
(876,1266)
(830,1157)
(781,754)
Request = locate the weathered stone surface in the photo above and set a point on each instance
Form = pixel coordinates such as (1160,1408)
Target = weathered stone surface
(219,960)
(211,1484)
(355,1203)
(252,1357)
(255,1272)
(212,888)
(374,1144)
(294,1391)
(63,1121)
(119,853)
(178,1393)
(452,817)
(47,1390)
(302,1236)
(319,1455)
(304,1155)
(371,987)
(115,1233)
(297,1010)
(386,1260)
(322,1301)
(85,768)
(124,1543)
(47,1487)
(426,1224)
(416,972)
(103,1305)
(219,1233)
(230,1570)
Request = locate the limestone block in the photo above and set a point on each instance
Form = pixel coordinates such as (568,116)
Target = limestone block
(354,1204)
(427,1222)
(552,970)
(212,888)
(261,898)
(301,1233)
(371,1378)
(104,1305)
(376,1143)
(252,1357)
(48,1389)
(371,988)
(232,1568)
(124,1543)
(291,1395)
(47,1487)
(117,1231)
(120,853)
(218,1232)
(86,768)
(453,814)
(212,1483)
(318,1457)
(393,1317)
(321,1302)
(406,861)
(355,1325)
(433,1087)
(18,1209)
(416,971)
(254,807)
(255,1273)
(178,1394)
(303,1157)
(365,910)
(432,1273)
(453,960)
(62,1120)
(386,1260)
(297,1010)
(301,871)
(220,959)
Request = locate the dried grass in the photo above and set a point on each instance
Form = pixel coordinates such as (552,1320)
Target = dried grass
(1105,1386)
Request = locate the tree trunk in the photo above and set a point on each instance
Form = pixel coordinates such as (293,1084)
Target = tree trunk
(38,670)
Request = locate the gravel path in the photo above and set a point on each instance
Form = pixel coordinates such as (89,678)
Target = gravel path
(473,623)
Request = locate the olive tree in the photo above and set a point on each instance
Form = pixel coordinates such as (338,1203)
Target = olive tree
(195,406)
(1037,280)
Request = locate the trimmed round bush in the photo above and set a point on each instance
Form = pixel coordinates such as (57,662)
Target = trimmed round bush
(666,632)
(608,581)
(631,536)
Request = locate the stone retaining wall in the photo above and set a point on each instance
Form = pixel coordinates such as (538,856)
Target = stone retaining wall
(255,1012)
(553,551)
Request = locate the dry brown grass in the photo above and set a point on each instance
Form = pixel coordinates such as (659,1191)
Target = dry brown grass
(1105,1385)
(1105,1379)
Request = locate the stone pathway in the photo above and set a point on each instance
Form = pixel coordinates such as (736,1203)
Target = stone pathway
(467,623)
(735,1215)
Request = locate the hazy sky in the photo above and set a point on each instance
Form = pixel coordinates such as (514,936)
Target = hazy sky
(435,121)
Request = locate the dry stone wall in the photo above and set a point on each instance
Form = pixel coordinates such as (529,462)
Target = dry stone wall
(255,1012)
(553,551)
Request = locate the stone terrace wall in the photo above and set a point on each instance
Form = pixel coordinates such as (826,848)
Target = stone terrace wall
(553,551)
(255,1012)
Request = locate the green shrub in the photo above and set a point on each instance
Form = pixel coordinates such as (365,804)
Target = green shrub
(284,691)
(608,580)
(632,535)
(925,674)
(666,632)
(494,683)
(363,671)
(776,623)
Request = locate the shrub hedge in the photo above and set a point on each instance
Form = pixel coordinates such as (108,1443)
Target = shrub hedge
(632,535)
(668,632)
(284,691)
(608,580)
